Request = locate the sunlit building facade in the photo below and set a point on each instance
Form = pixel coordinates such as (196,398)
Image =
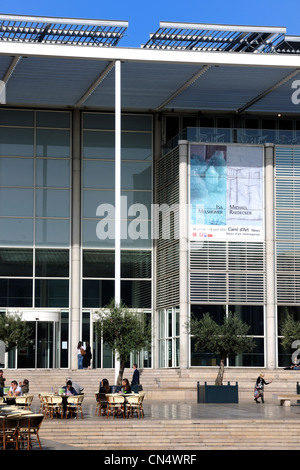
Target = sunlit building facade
(165,176)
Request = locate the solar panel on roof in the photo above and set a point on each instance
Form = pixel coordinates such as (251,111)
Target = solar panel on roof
(61,30)
(204,37)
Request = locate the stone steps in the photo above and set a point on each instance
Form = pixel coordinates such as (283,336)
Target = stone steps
(159,384)
(119,434)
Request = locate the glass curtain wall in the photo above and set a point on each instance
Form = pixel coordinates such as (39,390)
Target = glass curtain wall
(287,216)
(98,200)
(253,315)
(35,195)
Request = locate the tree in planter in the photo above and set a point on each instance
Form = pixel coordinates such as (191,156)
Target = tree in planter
(14,332)
(228,339)
(290,331)
(124,330)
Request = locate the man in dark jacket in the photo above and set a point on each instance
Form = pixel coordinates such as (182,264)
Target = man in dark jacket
(136,376)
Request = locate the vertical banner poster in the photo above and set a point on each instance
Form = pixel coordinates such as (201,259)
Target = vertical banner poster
(226,192)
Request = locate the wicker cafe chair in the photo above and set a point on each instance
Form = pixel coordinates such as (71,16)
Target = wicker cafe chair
(142,396)
(54,405)
(101,404)
(133,406)
(8,432)
(115,404)
(28,430)
(24,401)
(44,404)
(98,404)
(74,405)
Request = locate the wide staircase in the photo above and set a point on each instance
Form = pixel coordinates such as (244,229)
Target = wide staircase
(170,386)
(142,434)
(160,384)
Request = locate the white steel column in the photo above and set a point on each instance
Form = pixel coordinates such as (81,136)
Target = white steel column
(183,253)
(270,327)
(117,193)
(75,330)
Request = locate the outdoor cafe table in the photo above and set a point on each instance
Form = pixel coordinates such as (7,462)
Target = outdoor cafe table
(125,395)
(64,400)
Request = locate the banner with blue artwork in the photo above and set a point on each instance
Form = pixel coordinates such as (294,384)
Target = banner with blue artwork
(226,192)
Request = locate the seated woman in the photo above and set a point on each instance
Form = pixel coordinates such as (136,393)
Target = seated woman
(104,386)
(103,390)
(126,388)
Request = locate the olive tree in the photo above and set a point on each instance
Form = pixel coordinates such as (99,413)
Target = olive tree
(14,332)
(124,331)
(228,339)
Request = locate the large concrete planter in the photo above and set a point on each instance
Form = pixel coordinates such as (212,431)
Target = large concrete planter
(217,393)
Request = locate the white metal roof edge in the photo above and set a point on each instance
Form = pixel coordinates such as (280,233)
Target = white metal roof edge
(148,55)
(60,20)
(223,27)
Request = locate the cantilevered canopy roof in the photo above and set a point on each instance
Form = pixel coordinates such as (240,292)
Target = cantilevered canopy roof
(45,63)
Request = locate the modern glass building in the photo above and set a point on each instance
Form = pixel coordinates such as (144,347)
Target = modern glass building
(166,176)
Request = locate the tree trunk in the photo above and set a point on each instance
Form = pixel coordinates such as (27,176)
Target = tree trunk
(121,372)
(219,379)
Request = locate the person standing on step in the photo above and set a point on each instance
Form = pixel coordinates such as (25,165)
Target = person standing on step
(80,354)
(88,356)
(2,382)
(259,388)
(136,375)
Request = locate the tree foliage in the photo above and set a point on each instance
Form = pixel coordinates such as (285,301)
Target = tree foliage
(290,330)
(14,332)
(124,330)
(228,339)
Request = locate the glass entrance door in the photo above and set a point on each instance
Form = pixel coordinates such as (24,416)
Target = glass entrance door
(40,351)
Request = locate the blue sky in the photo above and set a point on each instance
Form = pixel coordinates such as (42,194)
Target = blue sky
(144,17)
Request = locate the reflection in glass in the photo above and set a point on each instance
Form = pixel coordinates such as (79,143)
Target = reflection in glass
(16,172)
(55,173)
(136,175)
(52,143)
(98,263)
(12,117)
(136,294)
(136,146)
(97,294)
(16,262)
(52,263)
(253,359)
(51,293)
(16,202)
(92,199)
(16,231)
(135,264)
(52,119)
(52,203)
(16,141)
(217,312)
(252,315)
(98,174)
(99,144)
(16,292)
(53,232)
(90,238)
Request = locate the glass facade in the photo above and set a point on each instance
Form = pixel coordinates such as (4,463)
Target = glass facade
(36,239)
(98,210)
(252,315)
